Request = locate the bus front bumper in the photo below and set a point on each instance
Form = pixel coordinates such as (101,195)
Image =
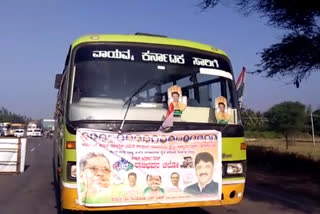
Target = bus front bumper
(232,194)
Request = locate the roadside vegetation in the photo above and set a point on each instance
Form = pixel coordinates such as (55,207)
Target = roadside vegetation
(295,171)
(295,56)
(281,138)
(297,147)
(8,116)
(281,155)
(288,120)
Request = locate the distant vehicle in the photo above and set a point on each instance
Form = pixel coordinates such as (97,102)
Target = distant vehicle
(15,126)
(47,124)
(19,133)
(37,132)
(4,129)
(34,132)
(32,125)
(48,134)
(29,132)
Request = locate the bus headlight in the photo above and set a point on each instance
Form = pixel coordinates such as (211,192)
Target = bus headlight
(234,168)
(71,171)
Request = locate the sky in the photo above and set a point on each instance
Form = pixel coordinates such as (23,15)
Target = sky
(36,34)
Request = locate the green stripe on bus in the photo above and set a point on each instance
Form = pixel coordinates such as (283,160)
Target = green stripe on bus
(233,179)
(148,40)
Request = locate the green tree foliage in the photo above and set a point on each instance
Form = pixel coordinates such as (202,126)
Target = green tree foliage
(297,55)
(287,118)
(316,121)
(7,116)
(254,121)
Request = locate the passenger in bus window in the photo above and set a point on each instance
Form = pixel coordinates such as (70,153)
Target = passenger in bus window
(95,179)
(204,165)
(157,97)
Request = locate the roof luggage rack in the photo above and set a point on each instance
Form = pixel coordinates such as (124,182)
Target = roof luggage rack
(149,34)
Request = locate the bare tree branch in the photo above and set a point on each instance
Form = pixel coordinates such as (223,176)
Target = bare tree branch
(297,55)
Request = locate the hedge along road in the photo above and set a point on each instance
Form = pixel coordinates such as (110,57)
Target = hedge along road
(33,192)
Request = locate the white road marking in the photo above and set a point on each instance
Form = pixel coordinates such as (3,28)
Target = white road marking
(34,148)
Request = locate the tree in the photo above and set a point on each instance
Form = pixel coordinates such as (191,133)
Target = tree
(7,116)
(297,55)
(287,118)
(253,120)
(316,121)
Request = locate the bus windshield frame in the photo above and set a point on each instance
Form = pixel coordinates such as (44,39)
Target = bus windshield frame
(121,68)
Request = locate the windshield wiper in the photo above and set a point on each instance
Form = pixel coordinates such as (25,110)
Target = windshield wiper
(130,99)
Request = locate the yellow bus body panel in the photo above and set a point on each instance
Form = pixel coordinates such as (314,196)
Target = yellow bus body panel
(69,199)
(231,149)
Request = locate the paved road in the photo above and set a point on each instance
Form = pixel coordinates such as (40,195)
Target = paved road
(32,192)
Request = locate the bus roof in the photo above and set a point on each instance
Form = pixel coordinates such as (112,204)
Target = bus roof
(149,39)
(17,124)
(5,123)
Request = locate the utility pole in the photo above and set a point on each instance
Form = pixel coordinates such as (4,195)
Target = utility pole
(312,127)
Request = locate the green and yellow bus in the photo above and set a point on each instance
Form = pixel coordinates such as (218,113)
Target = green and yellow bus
(119,84)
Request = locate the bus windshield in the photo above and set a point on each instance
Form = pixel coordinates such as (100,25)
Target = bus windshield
(105,76)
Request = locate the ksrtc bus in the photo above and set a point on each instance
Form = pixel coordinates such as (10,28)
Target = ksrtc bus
(117,87)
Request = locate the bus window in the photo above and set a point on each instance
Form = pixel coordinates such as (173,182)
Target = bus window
(112,82)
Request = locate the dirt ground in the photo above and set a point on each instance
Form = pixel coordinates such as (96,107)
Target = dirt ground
(303,147)
(303,187)
(291,173)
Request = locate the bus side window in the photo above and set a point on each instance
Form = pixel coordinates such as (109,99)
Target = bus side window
(76,94)
(61,98)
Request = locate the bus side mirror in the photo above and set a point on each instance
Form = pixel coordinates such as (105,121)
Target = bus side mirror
(57,82)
